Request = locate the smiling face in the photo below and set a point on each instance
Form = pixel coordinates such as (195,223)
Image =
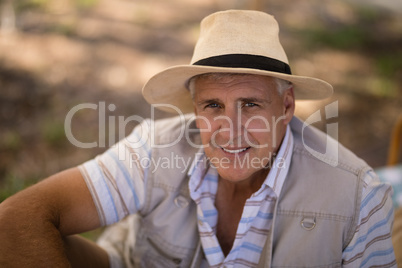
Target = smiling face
(242,121)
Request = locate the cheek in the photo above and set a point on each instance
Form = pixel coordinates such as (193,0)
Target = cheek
(206,128)
(203,122)
(205,137)
(258,126)
(266,133)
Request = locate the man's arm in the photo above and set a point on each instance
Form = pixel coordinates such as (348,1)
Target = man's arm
(35,224)
(371,244)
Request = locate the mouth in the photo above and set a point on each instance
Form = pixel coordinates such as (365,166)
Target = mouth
(235,151)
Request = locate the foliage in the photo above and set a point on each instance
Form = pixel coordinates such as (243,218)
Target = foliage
(13,184)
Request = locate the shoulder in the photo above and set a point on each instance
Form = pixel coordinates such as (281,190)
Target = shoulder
(323,149)
(154,134)
(177,128)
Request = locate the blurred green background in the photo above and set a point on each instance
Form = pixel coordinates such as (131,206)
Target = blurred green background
(55,54)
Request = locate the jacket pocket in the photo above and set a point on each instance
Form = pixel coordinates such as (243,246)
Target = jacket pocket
(156,256)
(308,239)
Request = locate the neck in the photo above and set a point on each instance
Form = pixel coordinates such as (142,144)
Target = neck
(244,188)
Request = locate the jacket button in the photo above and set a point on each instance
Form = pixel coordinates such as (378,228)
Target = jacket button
(181,201)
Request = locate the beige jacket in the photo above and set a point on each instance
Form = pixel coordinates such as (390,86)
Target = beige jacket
(324,197)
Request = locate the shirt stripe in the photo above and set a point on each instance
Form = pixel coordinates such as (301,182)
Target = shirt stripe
(257,216)
(117,180)
(371,244)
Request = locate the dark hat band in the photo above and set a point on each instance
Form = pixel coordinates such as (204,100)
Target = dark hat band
(246,61)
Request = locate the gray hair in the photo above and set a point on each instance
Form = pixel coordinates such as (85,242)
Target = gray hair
(281,85)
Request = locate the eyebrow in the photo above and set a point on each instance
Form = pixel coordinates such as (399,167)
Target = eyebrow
(258,100)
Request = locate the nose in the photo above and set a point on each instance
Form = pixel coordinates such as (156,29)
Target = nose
(230,127)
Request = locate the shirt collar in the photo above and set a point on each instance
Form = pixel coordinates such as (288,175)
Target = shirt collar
(280,166)
(198,169)
(275,178)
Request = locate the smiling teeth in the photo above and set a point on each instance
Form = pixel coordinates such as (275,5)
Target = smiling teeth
(235,151)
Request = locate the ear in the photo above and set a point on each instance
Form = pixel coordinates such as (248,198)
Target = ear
(288,105)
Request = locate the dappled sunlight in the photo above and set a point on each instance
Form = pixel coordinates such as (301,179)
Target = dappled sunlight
(57,54)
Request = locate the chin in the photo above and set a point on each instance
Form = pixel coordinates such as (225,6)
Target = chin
(235,174)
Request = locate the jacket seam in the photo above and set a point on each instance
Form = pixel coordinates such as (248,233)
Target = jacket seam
(356,214)
(327,216)
(334,264)
(164,186)
(179,250)
(149,181)
(341,165)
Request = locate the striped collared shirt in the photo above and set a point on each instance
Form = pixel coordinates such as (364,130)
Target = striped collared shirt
(256,219)
(117,184)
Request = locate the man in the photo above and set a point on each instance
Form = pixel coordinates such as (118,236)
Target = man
(262,190)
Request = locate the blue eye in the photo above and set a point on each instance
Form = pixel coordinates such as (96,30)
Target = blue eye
(212,105)
(250,104)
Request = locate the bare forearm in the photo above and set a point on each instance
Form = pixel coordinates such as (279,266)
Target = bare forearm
(34,223)
(28,240)
(83,253)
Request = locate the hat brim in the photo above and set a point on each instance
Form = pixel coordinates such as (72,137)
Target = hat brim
(167,89)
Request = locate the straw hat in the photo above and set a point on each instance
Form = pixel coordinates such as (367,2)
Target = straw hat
(233,41)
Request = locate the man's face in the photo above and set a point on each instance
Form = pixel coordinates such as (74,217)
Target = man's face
(242,121)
